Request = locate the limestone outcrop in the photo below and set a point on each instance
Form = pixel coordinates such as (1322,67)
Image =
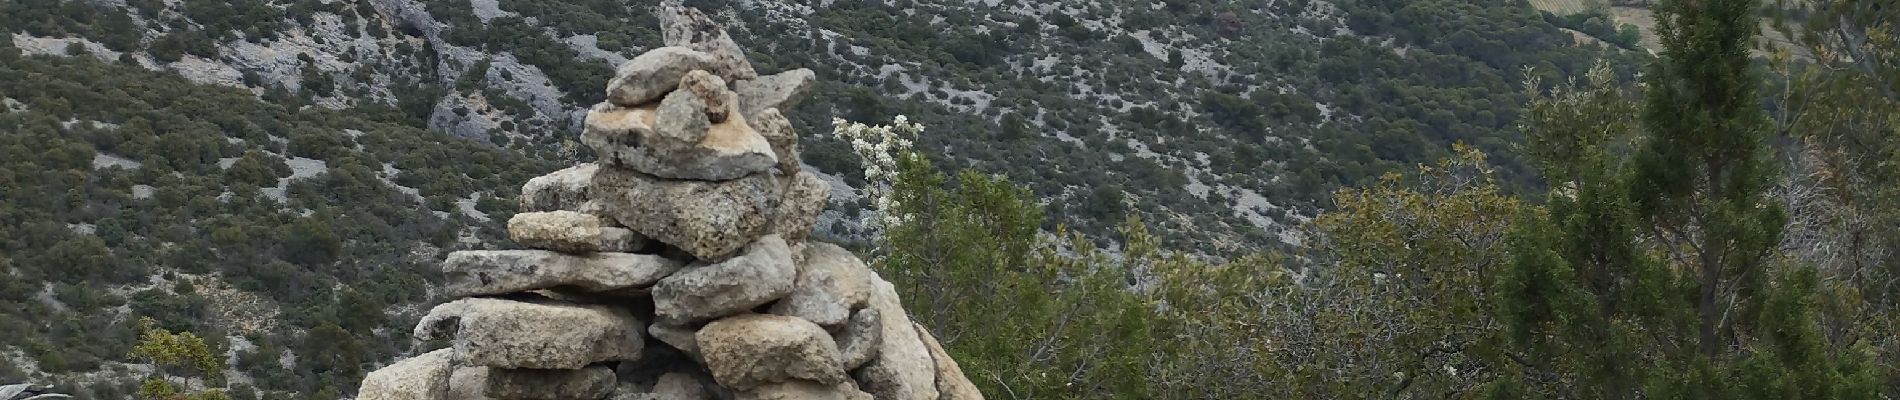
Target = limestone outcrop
(677,265)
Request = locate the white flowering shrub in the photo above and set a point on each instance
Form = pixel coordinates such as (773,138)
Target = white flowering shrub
(880,147)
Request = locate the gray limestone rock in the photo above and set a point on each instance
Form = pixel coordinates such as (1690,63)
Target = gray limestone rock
(700,292)
(654,74)
(751,350)
(533,335)
(710,220)
(494,272)
(690,28)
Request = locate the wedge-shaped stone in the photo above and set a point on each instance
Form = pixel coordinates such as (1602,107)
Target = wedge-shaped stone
(831,282)
(690,28)
(494,272)
(951,382)
(903,369)
(424,377)
(805,197)
(763,273)
(565,189)
(860,338)
(778,132)
(685,149)
(533,334)
(710,220)
(751,350)
(782,91)
(653,74)
(571,232)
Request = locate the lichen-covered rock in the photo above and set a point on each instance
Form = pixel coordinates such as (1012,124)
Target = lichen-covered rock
(781,91)
(493,272)
(700,292)
(747,351)
(681,117)
(690,28)
(951,383)
(571,232)
(533,335)
(565,189)
(591,383)
(902,369)
(676,141)
(710,220)
(718,101)
(653,74)
(423,377)
(805,197)
(778,132)
(860,338)
(830,283)
(804,390)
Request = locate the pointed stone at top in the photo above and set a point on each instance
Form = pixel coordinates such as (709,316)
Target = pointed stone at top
(688,27)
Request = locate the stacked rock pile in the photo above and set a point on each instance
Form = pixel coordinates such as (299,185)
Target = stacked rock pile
(677,265)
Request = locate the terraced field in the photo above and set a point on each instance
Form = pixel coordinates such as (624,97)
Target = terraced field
(1566,7)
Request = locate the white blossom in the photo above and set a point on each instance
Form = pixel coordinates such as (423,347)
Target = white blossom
(879,147)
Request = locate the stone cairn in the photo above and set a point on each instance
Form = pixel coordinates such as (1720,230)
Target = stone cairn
(676,266)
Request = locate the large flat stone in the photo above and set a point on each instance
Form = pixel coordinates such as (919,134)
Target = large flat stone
(710,220)
(533,335)
(423,377)
(572,232)
(653,74)
(591,383)
(565,189)
(748,351)
(831,282)
(494,272)
(762,274)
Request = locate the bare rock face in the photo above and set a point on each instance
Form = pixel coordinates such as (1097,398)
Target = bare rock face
(571,232)
(950,379)
(711,220)
(533,335)
(493,272)
(651,75)
(424,377)
(763,274)
(690,28)
(748,351)
(903,368)
(831,282)
(781,91)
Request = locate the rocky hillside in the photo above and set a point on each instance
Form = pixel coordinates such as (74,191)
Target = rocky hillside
(1226,124)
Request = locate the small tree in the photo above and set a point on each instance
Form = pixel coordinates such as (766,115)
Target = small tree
(184,352)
